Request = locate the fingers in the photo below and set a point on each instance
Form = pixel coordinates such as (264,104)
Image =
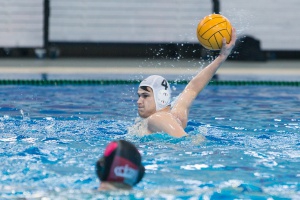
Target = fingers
(233,39)
(224,42)
(233,36)
(226,48)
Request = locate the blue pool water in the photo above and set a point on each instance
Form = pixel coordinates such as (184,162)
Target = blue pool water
(243,143)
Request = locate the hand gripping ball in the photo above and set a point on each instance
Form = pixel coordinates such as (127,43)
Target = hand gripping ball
(212,29)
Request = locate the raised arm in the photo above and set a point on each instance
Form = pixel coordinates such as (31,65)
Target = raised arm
(197,84)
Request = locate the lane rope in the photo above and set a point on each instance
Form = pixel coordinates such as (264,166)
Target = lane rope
(120,82)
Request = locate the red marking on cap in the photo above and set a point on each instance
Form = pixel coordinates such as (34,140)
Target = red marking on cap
(124,171)
(110,148)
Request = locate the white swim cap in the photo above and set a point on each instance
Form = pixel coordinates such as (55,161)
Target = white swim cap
(161,90)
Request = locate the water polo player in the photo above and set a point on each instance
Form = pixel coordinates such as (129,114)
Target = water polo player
(120,167)
(155,94)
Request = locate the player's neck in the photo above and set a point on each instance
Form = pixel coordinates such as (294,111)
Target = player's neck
(113,186)
(166,109)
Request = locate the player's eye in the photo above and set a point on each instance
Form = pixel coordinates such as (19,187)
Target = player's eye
(144,96)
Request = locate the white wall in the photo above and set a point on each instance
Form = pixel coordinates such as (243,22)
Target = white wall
(276,23)
(21,23)
(126,21)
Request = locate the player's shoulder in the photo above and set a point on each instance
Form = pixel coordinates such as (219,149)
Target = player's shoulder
(165,122)
(159,117)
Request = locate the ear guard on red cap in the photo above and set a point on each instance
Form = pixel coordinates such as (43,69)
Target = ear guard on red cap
(121,163)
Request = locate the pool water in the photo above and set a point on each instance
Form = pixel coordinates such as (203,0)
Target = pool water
(243,143)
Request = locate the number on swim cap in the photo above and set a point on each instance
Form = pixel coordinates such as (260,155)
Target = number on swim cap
(165,84)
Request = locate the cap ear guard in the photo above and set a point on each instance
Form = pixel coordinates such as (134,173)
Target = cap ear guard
(163,98)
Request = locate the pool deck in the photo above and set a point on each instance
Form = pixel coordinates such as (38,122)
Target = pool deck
(278,70)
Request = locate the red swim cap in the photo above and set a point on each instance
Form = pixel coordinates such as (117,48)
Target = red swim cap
(121,162)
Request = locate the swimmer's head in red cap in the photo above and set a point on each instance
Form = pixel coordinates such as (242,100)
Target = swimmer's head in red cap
(121,163)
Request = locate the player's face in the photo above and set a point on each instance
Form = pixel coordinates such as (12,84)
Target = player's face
(146,102)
